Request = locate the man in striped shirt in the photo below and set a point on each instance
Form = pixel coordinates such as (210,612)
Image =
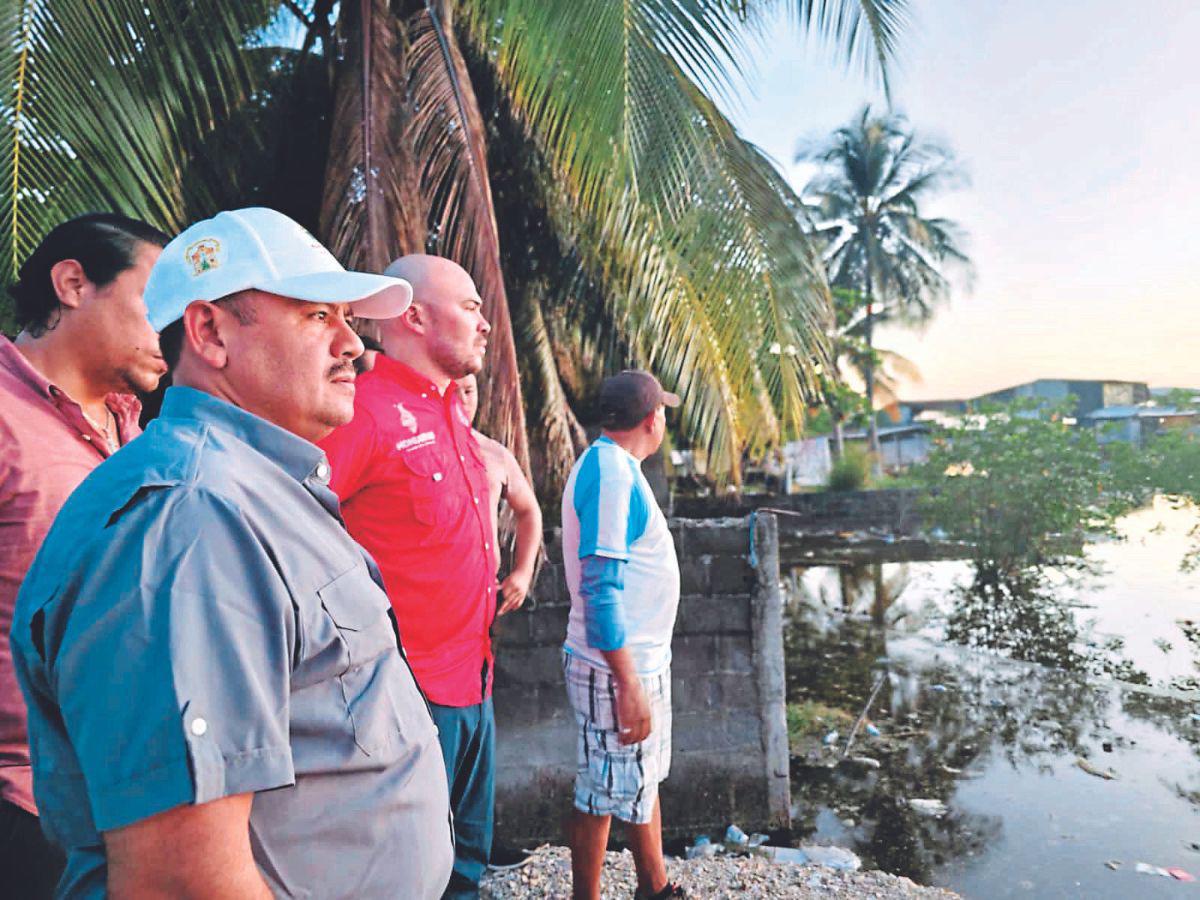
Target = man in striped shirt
(623,576)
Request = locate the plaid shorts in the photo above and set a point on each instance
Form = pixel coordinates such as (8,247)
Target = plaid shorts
(612,779)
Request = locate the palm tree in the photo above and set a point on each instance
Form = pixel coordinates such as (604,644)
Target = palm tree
(874,177)
(852,355)
(679,243)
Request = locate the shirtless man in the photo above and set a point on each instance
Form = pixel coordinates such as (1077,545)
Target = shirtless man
(506,481)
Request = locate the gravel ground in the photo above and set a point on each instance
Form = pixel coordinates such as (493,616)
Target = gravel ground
(548,874)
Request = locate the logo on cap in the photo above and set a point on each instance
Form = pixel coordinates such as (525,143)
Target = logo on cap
(203,255)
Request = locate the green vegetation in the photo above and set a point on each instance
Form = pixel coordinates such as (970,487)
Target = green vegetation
(810,718)
(639,227)
(851,471)
(1026,490)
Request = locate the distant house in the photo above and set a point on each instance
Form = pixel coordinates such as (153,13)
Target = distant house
(1134,424)
(1089,394)
(900,446)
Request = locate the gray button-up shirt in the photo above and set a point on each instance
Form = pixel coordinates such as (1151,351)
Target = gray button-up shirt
(198,624)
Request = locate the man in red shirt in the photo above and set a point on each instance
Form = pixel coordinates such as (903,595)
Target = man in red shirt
(66,403)
(413,487)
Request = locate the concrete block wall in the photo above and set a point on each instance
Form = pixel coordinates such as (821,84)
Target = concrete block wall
(895,511)
(723,691)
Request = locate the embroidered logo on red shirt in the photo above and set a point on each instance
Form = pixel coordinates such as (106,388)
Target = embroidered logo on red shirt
(407,419)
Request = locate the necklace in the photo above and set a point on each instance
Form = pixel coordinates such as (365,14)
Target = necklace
(111,437)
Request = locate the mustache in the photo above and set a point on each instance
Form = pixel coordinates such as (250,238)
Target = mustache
(337,370)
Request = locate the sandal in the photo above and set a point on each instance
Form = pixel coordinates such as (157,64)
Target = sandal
(672,889)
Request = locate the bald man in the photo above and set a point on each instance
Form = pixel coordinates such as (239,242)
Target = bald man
(413,486)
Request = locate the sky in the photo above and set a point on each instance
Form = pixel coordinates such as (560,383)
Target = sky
(1076,124)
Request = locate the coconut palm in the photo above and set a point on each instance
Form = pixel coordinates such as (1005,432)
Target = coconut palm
(853,357)
(867,197)
(365,122)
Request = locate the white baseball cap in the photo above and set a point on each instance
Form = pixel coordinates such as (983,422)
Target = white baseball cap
(262,249)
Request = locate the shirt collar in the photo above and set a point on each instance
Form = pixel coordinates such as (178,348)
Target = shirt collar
(293,454)
(126,407)
(408,378)
(14,360)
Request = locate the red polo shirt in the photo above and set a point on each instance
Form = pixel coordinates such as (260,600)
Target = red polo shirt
(47,447)
(414,493)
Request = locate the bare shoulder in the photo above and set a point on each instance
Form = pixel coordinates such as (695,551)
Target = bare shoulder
(494,452)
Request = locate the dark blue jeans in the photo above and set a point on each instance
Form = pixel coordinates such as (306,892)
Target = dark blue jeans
(29,864)
(468,738)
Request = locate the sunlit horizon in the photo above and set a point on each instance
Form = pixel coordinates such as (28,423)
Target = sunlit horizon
(1076,130)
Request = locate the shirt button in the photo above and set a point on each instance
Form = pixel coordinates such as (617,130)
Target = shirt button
(476,499)
(487,546)
(437,476)
(86,437)
(462,458)
(322,471)
(199,726)
(424,396)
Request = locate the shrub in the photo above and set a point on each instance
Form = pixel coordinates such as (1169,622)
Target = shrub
(851,470)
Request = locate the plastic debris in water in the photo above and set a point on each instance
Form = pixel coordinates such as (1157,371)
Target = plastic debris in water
(830,857)
(736,837)
(830,738)
(1106,774)
(871,729)
(1179,874)
(702,848)
(938,688)
(1147,869)
(1113,864)
(926,807)
(866,761)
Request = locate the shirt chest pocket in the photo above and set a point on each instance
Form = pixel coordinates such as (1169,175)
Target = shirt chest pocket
(359,610)
(429,480)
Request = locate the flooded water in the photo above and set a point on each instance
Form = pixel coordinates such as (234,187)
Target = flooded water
(1015,752)
(1138,595)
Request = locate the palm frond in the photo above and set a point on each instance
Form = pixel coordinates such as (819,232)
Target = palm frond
(408,174)
(448,137)
(106,104)
(694,236)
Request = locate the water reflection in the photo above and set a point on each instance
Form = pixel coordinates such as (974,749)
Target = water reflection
(1000,744)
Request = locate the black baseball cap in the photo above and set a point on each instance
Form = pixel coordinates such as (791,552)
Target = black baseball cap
(627,398)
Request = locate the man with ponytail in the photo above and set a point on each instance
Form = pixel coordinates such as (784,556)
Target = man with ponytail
(67,401)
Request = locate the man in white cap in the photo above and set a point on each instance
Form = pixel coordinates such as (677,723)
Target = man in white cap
(219,705)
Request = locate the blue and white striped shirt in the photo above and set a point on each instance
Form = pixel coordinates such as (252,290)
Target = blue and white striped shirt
(610,515)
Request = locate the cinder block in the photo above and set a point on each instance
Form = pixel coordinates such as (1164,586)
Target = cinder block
(540,665)
(735,692)
(713,615)
(693,656)
(512,630)
(731,575)
(716,538)
(548,625)
(693,574)
(735,654)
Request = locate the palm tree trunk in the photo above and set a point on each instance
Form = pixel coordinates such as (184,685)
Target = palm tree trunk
(869,371)
(407,173)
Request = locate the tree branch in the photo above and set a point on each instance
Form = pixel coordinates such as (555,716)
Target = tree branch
(295,9)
